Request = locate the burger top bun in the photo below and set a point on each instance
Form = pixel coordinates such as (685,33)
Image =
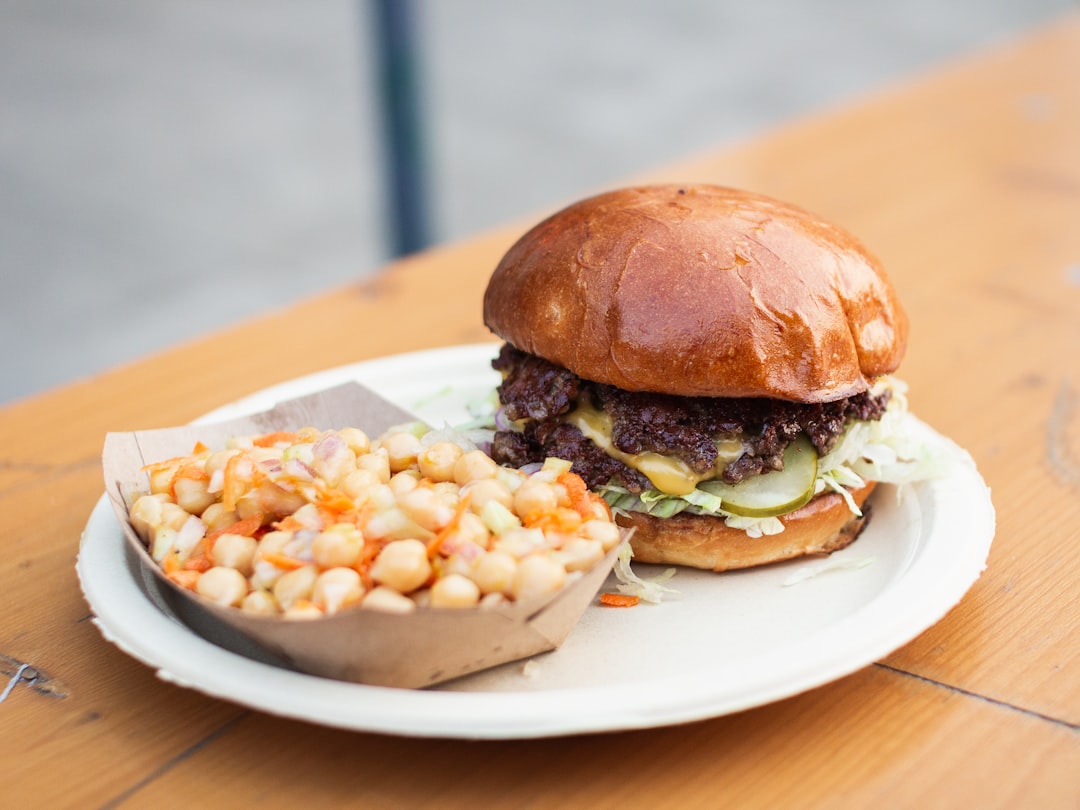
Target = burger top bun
(699,290)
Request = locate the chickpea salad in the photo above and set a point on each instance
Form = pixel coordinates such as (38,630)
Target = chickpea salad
(304,524)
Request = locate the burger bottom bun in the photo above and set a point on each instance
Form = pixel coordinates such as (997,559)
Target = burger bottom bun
(824,525)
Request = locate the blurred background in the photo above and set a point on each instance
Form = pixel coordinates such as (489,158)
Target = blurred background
(170,167)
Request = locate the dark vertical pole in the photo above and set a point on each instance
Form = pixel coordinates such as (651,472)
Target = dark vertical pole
(405,176)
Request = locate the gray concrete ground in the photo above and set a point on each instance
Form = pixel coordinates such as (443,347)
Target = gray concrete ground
(167,167)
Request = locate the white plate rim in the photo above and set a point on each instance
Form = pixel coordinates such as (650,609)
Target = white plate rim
(946,566)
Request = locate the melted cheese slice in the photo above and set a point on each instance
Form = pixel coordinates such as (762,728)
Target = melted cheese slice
(668,474)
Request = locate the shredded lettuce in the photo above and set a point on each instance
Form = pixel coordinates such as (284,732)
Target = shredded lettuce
(647,590)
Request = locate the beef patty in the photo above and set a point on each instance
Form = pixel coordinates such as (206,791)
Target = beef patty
(687,428)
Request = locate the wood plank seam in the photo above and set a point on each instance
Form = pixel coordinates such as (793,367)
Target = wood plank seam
(168,765)
(967,693)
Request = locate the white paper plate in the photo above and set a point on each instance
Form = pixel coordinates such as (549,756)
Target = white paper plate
(725,643)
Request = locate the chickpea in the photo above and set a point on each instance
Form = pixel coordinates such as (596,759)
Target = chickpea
(216,516)
(338,545)
(215,462)
(454,591)
(494,572)
(172,516)
(470,529)
(402,448)
(389,600)
(490,600)
(235,551)
(458,563)
(146,514)
(520,542)
(537,575)
(604,531)
(192,494)
(580,554)
(437,462)
(403,482)
(424,506)
(359,484)
(335,588)
(309,517)
(449,493)
(378,462)
(535,497)
(473,466)
(356,440)
(383,497)
(302,609)
(308,434)
(269,499)
(161,478)
(226,586)
(393,524)
(487,489)
(260,602)
(272,543)
(403,565)
(295,585)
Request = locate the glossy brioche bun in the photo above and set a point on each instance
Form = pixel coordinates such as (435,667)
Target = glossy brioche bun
(824,525)
(698,290)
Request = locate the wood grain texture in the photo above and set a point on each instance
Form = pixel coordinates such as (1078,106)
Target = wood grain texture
(966,183)
(877,737)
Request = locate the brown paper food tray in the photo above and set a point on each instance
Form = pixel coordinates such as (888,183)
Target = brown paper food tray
(361,645)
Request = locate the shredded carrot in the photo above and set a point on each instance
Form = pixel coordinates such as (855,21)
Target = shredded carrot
(333,500)
(435,543)
(277,437)
(185,579)
(199,449)
(290,523)
(158,466)
(171,563)
(169,465)
(198,562)
(283,561)
(561,521)
(579,494)
(246,527)
(359,517)
(234,485)
(367,556)
(617,600)
(193,471)
(190,471)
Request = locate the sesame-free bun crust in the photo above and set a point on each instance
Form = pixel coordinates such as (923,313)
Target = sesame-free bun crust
(699,290)
(824,525)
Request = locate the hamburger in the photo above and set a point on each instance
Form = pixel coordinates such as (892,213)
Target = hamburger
(715,363)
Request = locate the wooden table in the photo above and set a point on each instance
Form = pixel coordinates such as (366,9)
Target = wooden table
(967,183)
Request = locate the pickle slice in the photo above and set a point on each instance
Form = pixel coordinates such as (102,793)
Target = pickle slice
(774,493)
